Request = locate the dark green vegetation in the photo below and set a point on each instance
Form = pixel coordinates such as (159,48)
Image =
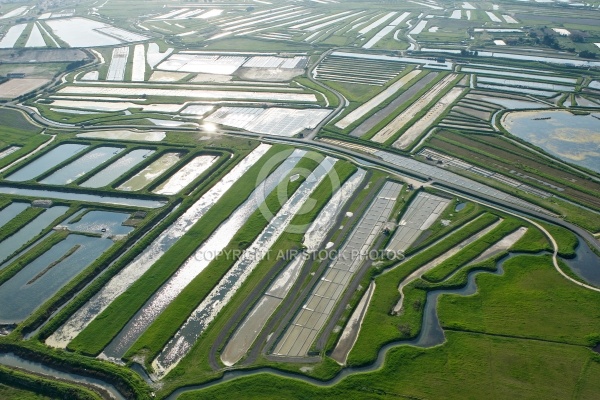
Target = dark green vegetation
(566,240)
(521,305)
(14,393)
(125,380)
(37,250)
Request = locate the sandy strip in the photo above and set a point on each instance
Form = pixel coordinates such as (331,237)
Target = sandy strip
(138,71)
(437,261)
(352,329)
(504,244)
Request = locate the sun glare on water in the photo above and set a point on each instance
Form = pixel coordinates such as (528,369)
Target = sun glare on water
(209,127)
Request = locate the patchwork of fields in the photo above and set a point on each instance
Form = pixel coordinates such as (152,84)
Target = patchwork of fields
(199,200)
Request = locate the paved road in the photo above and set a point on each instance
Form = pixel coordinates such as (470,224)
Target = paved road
(341,99)
(365,159)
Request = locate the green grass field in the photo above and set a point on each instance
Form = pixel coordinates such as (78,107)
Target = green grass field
(468,366)
(530,301)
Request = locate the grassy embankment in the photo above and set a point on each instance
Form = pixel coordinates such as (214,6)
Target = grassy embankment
(330,97)
(19,221)
(47,229)
(40,248)
(127,382)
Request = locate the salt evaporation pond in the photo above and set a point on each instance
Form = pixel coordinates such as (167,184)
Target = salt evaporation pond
(511,103)
(35,38)
(11,211)
(126,277)
(221,294)
(84,197)
(47,161)
(316,233)
(186,175)
(100,222)
(151,172)
(14,242)
(81,166)
(198,261)
(83,32)
(11,37)
(118,168)
(572,138)
(43,277)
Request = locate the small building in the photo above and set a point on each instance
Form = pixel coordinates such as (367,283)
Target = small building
(15,75)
